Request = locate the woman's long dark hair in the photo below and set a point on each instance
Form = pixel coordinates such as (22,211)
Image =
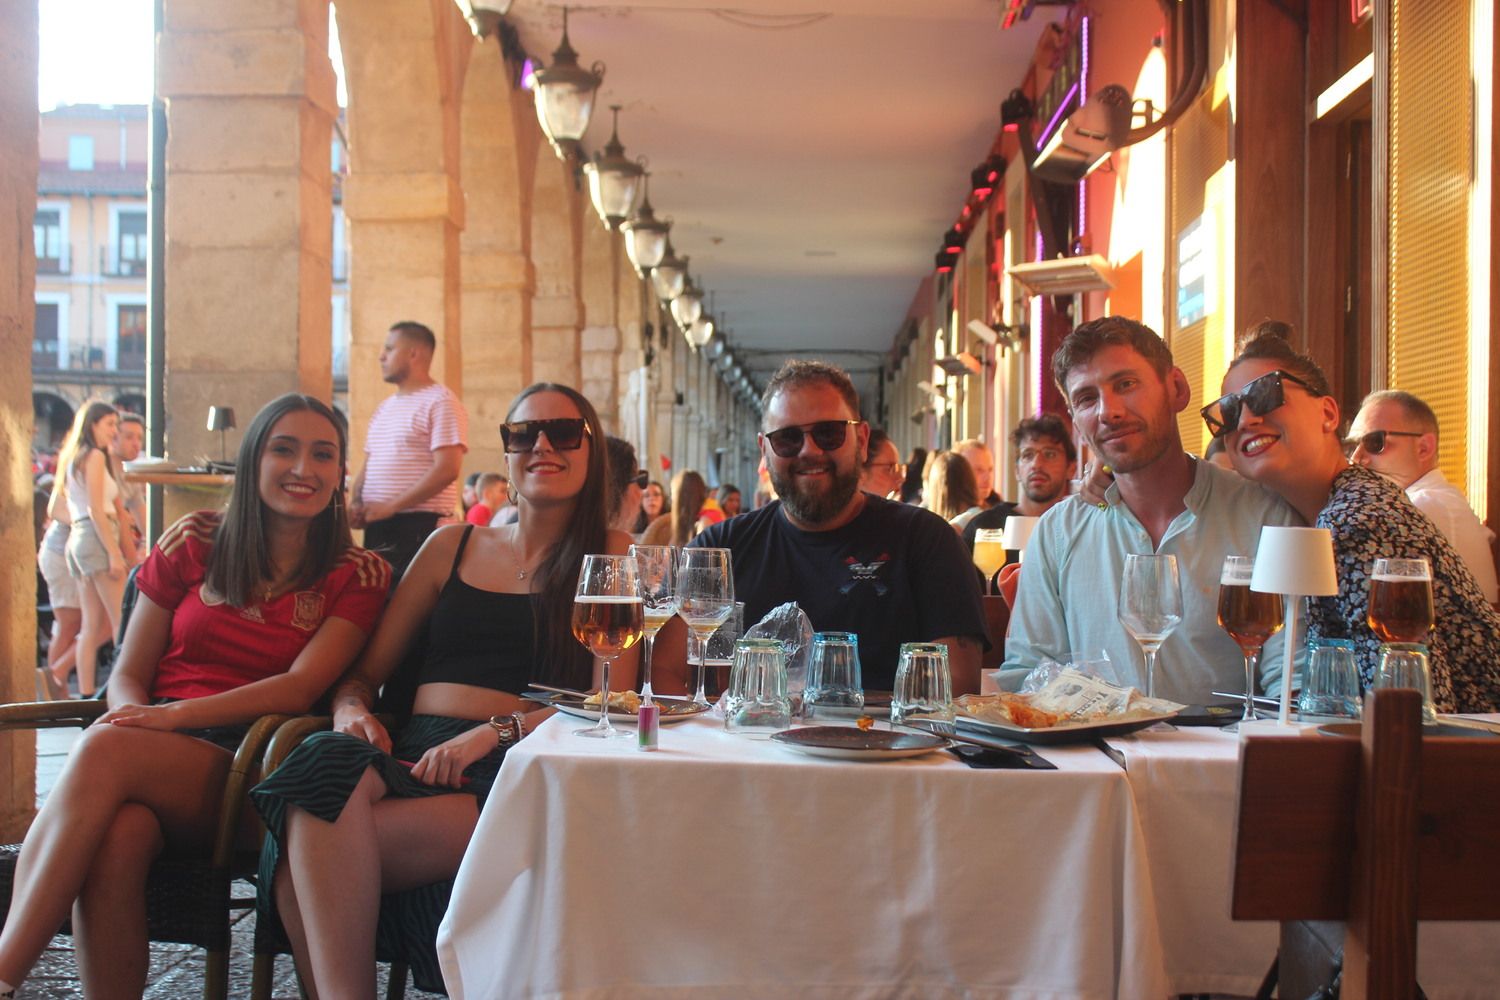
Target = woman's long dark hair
(80,440)
(240,559)
(689,492)
(565,661)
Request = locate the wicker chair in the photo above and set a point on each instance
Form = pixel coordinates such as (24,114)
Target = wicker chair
(188,899)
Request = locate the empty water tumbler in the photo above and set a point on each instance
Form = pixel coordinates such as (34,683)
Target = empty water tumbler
(833,678)
(1331,688)
(924,688)
(758,702)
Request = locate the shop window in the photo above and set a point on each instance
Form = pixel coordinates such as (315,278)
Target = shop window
(80,152)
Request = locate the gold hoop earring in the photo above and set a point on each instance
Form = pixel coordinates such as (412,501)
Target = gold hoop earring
(510,492)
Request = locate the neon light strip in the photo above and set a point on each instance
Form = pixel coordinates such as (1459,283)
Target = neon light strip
(1083,84)
(1362,73)
(1062,110)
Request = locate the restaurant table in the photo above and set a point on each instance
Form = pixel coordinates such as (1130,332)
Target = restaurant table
(724,866)
(727,866)
(1185,786)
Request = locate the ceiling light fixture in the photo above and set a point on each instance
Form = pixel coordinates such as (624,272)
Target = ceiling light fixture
(669,275)
(484,15)
(688,306)
(645,234)
(565,95)
(614,179)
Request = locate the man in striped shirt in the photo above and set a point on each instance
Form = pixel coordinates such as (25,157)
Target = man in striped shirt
(413,451)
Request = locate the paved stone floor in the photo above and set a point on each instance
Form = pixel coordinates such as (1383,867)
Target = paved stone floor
(176,970)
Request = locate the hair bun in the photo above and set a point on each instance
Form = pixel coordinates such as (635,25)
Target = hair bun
(1264,332)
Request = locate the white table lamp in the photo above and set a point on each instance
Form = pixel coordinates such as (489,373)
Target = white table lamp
(1018,529)
(1294,562)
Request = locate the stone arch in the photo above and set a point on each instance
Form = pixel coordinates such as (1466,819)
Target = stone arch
(556,239)
(404,64)
(53,415)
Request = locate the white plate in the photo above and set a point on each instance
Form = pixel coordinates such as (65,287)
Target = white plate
(673,710)
(1068,732)
(848,743)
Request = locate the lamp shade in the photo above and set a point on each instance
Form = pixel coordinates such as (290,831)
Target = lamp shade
(700,331)
(565,94)
(614,180)
(645,234)
(687,306)
(1018,530)
(1295,561)
(669,276)
(484,15)
(221,418)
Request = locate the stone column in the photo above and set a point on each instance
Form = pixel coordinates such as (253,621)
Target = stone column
(600,341)
(250,108)
(500,134)
(557,314)
(18,168)
(405,65)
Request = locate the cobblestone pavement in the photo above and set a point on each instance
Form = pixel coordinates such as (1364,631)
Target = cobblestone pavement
(176,969)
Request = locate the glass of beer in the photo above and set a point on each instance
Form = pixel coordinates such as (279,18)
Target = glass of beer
(1400,614)
(1249,617)
(657,567)
(1150,605)
(608,619)
(989,552)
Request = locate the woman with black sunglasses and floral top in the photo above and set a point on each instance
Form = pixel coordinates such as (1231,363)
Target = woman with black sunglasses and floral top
(1280,427)
(368,827)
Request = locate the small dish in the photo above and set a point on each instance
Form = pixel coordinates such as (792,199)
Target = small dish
(848,743)
(672,709)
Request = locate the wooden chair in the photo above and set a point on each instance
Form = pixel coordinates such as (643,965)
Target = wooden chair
(189,900)
(1380,833)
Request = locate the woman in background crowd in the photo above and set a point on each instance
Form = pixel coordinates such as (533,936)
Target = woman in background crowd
(950,489)
(916,469)
(62,593)
(730,501)
(680,524)
(653,505)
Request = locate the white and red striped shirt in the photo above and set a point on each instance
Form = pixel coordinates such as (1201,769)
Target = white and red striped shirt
(404,432)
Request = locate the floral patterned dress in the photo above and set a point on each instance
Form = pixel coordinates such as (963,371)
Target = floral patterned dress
(1370,518)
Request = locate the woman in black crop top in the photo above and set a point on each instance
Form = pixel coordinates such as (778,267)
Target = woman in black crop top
(497,606)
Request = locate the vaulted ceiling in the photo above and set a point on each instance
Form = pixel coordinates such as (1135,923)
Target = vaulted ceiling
(809,152)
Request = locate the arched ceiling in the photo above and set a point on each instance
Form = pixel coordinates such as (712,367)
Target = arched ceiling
(810,152)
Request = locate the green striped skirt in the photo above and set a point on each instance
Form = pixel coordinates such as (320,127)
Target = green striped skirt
(318,777)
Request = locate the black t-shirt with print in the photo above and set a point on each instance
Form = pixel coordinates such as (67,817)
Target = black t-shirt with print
(894,574)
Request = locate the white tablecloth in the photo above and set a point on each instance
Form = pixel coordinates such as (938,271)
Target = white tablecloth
(727,867)
(1185,785)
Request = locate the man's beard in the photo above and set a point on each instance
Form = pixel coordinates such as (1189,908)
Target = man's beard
(816,507)
(1054,488)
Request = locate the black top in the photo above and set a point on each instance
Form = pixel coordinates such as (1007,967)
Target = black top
(894,574)
(479,637)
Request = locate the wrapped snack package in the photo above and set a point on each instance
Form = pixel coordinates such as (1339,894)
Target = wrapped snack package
(1056,694)
(789,625)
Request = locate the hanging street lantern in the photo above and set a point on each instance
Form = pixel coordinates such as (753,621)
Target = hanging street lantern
(484,15)
(565,95)
(688,306)
(645,234)
(614,180)
(700,331)
(669,275)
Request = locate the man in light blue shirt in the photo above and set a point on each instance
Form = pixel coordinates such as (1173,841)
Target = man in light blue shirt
(1125,393)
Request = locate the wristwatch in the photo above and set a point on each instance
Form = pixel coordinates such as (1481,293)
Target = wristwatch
(508,728)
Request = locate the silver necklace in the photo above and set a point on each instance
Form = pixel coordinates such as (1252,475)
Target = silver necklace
(515,554)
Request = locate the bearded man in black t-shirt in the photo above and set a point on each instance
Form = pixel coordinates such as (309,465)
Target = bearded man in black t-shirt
(889,572)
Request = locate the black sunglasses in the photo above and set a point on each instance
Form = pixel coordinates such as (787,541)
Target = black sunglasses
(828,435)
(1262,395)
(563,433)
(641,479)
(1374,441)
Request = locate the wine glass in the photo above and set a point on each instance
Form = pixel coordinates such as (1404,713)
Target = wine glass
(705,599)
(657,567)
(608,619)
(1249,616)
(1150,605)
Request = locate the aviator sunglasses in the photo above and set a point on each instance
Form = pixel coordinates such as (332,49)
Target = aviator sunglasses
(563,433)
(1262,395)
(1374,442)
(828,435)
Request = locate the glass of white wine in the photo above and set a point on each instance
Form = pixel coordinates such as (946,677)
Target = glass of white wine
(608,619)
(657,567)
(1150,605)
(705,599)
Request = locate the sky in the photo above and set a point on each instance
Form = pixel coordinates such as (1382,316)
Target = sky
(100,52)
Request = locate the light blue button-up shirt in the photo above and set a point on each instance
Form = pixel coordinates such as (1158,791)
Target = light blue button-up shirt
(1069,595)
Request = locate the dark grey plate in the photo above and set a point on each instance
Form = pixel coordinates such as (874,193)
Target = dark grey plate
(849,743)
(1081,732)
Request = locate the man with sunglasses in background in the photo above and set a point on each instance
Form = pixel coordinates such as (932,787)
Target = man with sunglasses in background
(1124,392)
(413,452)
(853,561)
(1396,434)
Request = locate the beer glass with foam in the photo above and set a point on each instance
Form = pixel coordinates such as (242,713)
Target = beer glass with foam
(608,619)
(1250,618)
(1400,615)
